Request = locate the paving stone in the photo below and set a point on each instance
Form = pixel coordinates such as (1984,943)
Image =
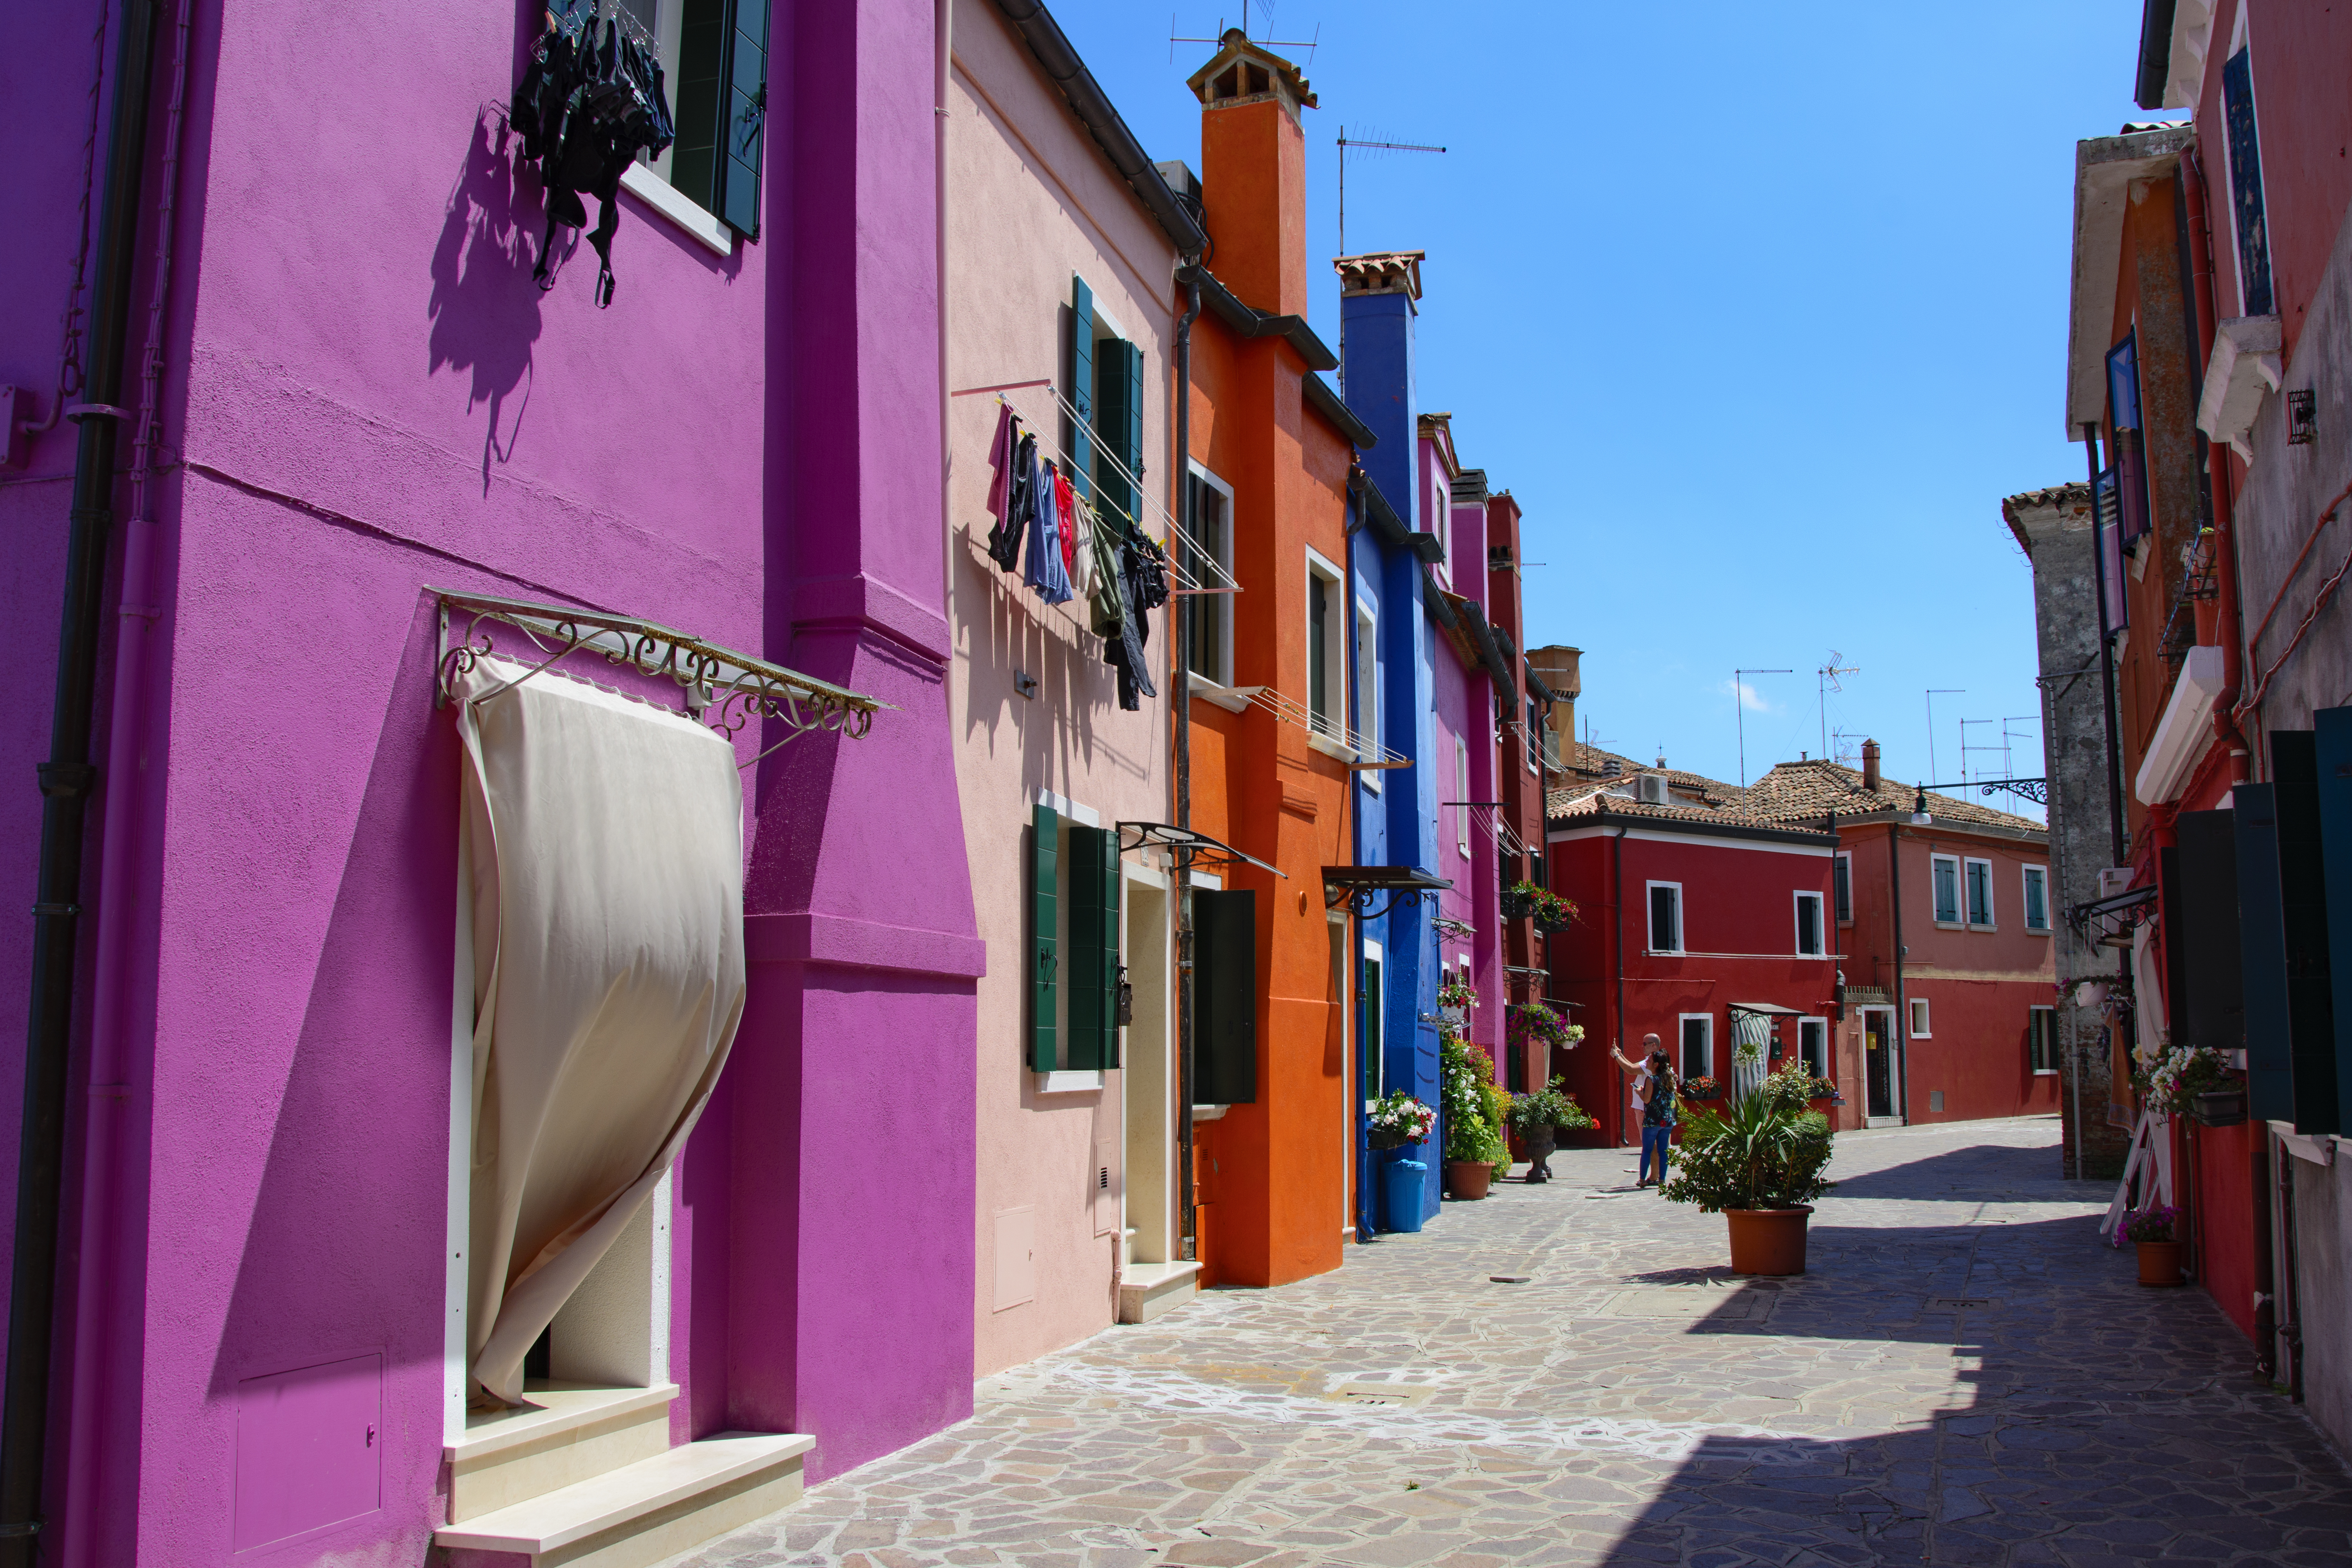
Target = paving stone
(1636,1403)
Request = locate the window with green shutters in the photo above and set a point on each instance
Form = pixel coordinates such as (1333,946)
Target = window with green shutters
(719,84)
(1074,945)
(1081,391)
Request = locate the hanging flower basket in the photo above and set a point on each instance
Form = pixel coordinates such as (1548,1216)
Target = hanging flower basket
(1516,906)
(1536,1020)
(1550,910)
(1398,1119)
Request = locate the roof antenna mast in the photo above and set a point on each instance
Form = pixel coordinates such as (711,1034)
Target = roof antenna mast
(1827,683)
(1739,706)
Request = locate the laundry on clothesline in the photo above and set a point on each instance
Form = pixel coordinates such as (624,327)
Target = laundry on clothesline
(590,102)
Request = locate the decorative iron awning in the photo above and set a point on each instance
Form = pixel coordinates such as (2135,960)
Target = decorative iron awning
(1766,1009)
(1357,887)
(2108,923)
(1460,930)
(721,688)
(1194,850)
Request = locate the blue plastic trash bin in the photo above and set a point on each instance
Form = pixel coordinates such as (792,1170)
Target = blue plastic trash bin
(1400,1186)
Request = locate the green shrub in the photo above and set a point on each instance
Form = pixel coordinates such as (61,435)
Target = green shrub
(1763,1153)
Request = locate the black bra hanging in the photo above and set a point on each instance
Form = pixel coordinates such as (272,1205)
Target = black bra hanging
(590,102)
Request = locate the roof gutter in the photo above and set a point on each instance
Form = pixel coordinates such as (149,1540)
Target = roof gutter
(1093,107)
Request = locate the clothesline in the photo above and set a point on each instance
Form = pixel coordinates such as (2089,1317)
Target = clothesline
(1186,582)
(1292,711)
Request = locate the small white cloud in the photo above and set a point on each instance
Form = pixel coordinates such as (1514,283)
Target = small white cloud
(1749,697)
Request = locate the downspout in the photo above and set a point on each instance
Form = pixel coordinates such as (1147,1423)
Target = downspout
(1617,950)
(1180,690)
(2225,552)
(66,780)
(1354,965)
(1898,1049)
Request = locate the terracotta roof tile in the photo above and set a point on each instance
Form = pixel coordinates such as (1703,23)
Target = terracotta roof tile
(1796,792)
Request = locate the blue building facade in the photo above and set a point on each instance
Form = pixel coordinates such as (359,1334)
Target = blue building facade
(1394,649)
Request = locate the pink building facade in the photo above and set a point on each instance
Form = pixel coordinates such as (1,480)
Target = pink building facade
(364,403)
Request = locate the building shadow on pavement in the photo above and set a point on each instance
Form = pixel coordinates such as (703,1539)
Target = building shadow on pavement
(2102,1422)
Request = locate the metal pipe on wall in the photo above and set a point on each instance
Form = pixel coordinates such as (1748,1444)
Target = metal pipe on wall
(1180,699)
(1898,1049)
(66,781)
(1617,947)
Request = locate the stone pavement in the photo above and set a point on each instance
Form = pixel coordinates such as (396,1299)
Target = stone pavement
(1965,1377)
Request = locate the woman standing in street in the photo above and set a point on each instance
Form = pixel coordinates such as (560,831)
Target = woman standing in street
(1654,1096)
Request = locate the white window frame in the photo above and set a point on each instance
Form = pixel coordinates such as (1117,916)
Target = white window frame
(1968,910)
(648,180)
(1534,737)
(2025,874)
(1959,895)
(1462,788)
(1823,1025)
(1682,1045)
(1821,927)
(2050,1014)
(1374,1068)
(1334,730)
(1682,919)
(1921,1013)
(1366,676)
(1223,557)
(1844,859)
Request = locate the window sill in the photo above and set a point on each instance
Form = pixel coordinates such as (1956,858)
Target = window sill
(1951,925)
(1331,748)
(2045,1072)
(1209,1112)
(664,198)
(1985,926)
(1232,698)
(2037,930)
(1069,1082)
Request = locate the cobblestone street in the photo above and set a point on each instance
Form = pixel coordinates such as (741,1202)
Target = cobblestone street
(1965,1377)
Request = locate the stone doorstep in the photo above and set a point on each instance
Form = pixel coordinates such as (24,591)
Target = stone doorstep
(568,1433)
(643,1513)
(1147,1289)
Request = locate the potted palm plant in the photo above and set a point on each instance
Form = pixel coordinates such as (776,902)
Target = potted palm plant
(1760,1165)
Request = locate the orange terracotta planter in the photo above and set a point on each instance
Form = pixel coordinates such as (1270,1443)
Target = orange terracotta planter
(2160,1262)
(1767,1241)
(1468,1178)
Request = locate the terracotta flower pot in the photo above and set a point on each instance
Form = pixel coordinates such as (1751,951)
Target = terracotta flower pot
(1539,1143)
(1468,1178)
(1767,1241)
(2160,1262)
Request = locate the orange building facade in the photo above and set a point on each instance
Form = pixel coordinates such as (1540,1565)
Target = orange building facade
(1270,455)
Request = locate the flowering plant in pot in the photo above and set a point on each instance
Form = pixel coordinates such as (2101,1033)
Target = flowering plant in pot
(1538,1118)
(1455,999)
(1549,910)
(1472,1145)
(1536,1020)
(1397,1119)
(2169,1085)
(1760,1165)
(1702,1089)
(2156,1233)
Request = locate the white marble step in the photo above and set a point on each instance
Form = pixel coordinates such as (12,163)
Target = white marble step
(1147,1289)
(648,1511)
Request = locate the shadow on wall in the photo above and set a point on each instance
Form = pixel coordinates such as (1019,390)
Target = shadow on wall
(2105,1422)
(485,305)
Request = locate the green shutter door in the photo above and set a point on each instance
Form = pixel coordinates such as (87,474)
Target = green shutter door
(1082,385)
(1110,933)
(1044,945)
(1224,997)
(1090,1007)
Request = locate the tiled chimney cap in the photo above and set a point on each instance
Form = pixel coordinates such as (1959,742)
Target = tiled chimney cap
(1381,272)
(1244,72)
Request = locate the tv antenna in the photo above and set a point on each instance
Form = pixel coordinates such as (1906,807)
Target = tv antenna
(1306,44)
(1740,706)
(1827,683)
(1370,147)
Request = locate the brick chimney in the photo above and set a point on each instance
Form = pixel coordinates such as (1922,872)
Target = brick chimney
(1869,765)
(1254,172)
(1561,668)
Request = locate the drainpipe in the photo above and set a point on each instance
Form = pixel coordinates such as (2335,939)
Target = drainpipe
(1617,946)
(66,780)
(1354,964)
(1181,690)
(2225,552)
(1898,1065)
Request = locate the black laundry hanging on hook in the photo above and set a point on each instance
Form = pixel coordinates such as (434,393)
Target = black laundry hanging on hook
(590,102)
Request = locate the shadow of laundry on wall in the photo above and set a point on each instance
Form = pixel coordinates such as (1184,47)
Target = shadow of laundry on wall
(485,305)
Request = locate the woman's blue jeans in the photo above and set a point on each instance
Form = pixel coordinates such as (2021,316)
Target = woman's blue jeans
(1655,1142)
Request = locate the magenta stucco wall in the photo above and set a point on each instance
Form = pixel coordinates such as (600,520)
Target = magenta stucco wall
(369,396)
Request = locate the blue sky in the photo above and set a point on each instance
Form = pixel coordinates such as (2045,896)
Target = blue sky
(1760,375)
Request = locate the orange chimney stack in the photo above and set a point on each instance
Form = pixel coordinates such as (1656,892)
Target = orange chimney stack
(1254,172)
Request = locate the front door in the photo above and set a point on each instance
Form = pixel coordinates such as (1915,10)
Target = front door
(1878,1062)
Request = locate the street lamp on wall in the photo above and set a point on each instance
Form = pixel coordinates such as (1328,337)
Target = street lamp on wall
(1919,817)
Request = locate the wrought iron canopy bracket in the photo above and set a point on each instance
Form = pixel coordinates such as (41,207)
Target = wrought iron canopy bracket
(1193,849)
(2035,790)
(718,686)
(2125,909)
(1358,887)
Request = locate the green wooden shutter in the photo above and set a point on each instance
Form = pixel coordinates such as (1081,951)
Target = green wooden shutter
(1082,385)
(1090,1008)
(1117,379)
(1224,997)
(1108,869)
(1133,444)
(743,122)
(1044,944)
